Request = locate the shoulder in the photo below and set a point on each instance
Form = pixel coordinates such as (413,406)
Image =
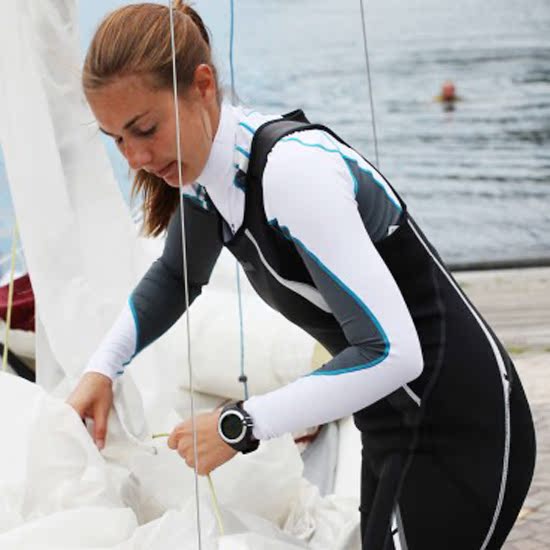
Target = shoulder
(305,172)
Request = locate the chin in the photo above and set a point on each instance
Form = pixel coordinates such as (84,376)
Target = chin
(174,182)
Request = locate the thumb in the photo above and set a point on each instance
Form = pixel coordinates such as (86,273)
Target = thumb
(101,414)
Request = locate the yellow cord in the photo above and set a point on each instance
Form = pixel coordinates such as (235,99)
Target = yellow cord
(10,299)
(215,503)
(217,512)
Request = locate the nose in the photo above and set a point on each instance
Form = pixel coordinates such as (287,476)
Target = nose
(137,155)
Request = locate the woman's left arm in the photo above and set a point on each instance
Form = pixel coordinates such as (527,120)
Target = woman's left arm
(309,194)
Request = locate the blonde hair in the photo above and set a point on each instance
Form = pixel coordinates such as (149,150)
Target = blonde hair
(135,40)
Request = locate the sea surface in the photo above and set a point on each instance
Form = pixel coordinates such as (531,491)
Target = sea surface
(477,178)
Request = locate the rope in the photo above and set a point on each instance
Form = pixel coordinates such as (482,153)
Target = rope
(366,50)
(10,299)
(242,378)
(216,506)
(217,512)
(185,279)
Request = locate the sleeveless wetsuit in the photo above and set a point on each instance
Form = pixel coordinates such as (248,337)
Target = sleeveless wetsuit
(448,441)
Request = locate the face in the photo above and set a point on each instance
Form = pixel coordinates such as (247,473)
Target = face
(141,120)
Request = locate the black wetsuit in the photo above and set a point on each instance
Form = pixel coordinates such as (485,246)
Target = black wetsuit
(448,450)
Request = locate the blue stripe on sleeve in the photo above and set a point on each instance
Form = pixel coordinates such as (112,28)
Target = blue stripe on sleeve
(285,231)
(347,161)
(242,151)
(247,127)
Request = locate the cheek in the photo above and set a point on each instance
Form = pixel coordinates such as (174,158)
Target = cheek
(196,153)
(206,152)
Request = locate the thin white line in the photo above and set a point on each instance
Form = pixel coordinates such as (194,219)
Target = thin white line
(306,291)
(402,541)
(412,395)
(185,275)
(395,531)
(506,391)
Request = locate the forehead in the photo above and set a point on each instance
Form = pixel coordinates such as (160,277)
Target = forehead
(122,99)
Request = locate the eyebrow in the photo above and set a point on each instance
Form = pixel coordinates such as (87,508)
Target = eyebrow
(127,125)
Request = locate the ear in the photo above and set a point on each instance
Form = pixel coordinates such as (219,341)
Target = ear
(204,82)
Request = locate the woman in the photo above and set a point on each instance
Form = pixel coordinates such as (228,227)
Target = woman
(448,441)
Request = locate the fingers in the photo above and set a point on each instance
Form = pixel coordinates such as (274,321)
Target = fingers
(181,440)
(211,452)
(92,398)
(186,451)
(101,414)
(79,407)
(173,439)
(177,433)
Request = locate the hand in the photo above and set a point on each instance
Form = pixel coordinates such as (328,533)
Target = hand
(212,451)
(92,398)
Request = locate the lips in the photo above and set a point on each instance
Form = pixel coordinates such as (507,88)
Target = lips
(166,170)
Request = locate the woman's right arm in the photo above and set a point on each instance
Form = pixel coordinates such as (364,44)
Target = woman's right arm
(154,306)
(158,300)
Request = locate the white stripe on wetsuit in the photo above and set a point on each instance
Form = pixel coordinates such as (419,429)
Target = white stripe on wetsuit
(398,531)
(308,292)
(505,388)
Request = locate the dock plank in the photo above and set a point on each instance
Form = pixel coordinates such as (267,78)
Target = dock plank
(515,302)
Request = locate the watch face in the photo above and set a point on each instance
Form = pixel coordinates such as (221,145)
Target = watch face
(232,426)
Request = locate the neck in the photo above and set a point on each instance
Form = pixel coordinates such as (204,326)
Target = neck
(214,112)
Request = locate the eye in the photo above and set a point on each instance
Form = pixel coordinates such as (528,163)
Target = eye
(145,133)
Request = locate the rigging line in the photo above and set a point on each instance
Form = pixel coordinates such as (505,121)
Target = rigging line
(185,279)
(242,378)
(231,44)
(366,50)
(215,503)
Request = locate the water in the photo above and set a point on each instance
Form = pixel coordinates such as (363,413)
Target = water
(477,179)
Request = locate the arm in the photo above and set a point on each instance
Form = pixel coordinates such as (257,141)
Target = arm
(159,298)
(309,194)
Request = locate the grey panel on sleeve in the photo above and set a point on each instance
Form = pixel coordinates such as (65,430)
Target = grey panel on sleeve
(159,298)
(376,209)
(368,342)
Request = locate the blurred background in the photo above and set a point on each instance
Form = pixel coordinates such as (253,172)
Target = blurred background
(475,173)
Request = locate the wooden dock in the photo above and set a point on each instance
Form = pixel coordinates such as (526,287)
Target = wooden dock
(516,303)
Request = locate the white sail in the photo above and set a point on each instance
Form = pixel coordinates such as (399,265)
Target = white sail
(84,257)
(76,231)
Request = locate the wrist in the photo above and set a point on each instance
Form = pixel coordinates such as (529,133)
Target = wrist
(235,427)
(99,377)
(104,363)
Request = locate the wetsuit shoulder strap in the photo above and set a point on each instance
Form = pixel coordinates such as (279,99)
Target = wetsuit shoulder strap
(268,134)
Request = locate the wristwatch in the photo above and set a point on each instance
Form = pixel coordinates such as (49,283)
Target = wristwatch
(235,428)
